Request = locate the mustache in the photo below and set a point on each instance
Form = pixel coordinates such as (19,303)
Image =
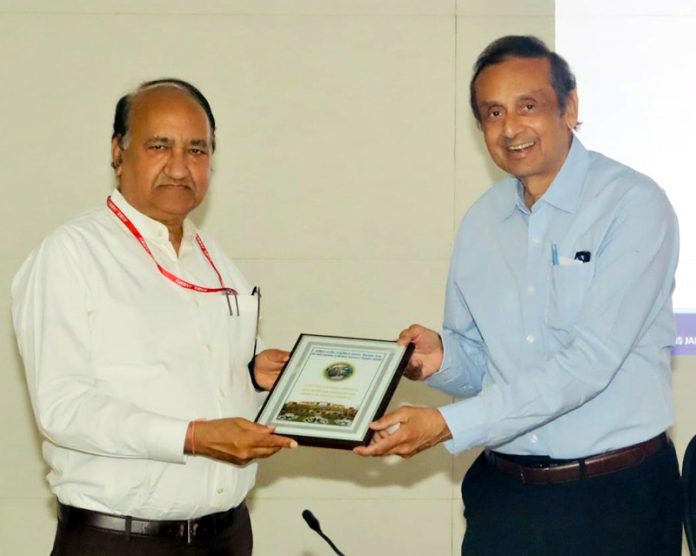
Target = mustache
(168,182)
(517,140)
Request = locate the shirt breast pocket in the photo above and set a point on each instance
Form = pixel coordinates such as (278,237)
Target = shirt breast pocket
(568,285)
(243,327)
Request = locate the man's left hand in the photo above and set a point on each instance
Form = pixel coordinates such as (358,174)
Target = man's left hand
(267,366)
(419,428)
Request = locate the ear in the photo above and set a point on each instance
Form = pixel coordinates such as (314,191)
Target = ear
(571,111)
(116,155)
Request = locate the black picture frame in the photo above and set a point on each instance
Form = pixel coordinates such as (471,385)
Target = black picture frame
(332,388)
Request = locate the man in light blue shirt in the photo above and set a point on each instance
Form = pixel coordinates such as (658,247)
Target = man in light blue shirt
(557,334)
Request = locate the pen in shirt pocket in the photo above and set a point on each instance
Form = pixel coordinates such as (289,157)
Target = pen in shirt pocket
(554,254)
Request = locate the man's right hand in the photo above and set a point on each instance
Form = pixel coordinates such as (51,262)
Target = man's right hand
(234,439)
(427,357)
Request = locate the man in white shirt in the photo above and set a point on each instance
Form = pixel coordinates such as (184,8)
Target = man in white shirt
(138,337)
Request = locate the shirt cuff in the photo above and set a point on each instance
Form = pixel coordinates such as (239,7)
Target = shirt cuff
(165,439)
(433,379)
(466,422)
(449,377)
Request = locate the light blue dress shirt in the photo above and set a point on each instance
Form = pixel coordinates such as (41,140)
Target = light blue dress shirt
(571,359)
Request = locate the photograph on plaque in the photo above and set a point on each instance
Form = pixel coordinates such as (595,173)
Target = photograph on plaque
(332,388)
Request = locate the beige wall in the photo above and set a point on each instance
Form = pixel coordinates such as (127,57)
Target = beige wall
(346,157)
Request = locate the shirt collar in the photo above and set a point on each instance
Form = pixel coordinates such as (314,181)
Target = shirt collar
(150,228)
(564,191)
(509,199)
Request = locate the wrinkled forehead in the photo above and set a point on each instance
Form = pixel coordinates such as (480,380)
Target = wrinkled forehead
(514,77)
(515,69)
(168,105)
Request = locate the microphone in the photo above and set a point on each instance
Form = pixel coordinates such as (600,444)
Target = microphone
(313,523)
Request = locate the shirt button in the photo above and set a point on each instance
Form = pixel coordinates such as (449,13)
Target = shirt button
(220,393)
(534,439)
(220,490)
(535,240)
(531,290)
(206,348)
(530,339)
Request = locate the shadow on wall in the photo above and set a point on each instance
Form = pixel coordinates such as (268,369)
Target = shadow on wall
(344,466)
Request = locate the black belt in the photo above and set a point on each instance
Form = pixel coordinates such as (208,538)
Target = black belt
(189,530)
(577,469)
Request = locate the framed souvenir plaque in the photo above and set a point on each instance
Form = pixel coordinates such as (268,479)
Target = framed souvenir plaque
(332,388)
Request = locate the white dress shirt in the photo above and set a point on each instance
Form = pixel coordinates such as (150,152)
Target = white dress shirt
(119,359)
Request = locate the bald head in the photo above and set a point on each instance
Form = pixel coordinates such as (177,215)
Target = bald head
(122,117)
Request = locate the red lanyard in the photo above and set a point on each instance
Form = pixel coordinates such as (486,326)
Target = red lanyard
(173,277)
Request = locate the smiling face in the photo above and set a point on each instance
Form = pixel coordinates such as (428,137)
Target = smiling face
(525,131)
(163,164)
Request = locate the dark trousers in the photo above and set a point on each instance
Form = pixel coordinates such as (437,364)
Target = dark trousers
(236,540)
(635,512)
